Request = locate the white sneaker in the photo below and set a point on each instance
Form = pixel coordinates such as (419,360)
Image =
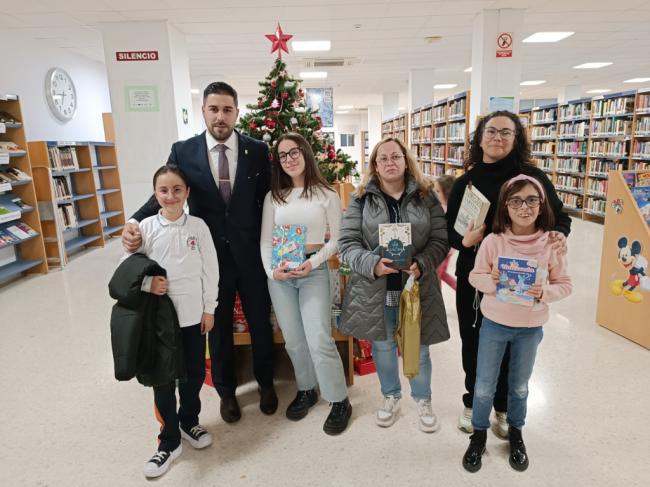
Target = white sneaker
(160,462)
(500,428)
(387,415)
(197,436)
(465,421)
(428,420)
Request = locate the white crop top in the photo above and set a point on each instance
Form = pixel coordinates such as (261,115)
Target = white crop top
(315,214)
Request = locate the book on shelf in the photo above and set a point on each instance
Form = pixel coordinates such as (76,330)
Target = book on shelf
(516,276)
(641,195)
(288,246)
(395,243)
(643,179)
(473,208)
(8,214)
(68,216)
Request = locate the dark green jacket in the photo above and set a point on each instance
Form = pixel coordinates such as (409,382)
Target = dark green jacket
(145,334)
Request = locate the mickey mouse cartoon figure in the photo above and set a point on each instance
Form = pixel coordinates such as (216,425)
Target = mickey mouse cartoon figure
(630,258)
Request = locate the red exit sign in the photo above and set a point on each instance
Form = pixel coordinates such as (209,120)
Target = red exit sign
(136,55)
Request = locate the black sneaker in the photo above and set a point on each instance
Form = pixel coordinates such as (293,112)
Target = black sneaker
(518,456)
(160,462)
(196,436)
(338,418)
(475,450)
(299,407)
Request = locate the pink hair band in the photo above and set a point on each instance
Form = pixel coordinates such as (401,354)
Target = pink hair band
(524,177)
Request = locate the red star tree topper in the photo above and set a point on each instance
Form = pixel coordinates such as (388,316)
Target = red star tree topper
(279,40)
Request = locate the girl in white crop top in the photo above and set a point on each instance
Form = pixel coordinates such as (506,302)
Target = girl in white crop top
(301,297)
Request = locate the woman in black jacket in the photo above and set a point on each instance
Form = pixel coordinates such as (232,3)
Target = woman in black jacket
(499,150)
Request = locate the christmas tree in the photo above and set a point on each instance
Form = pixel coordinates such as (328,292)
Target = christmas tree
(280,109)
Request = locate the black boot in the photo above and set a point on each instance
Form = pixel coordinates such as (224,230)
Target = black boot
(475,450)
(338,418)
(518,456)
(299,407)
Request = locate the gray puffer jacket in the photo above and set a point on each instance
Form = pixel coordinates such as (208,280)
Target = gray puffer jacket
(363,305)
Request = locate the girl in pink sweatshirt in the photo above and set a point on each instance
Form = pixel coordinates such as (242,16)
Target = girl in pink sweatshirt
(521,230)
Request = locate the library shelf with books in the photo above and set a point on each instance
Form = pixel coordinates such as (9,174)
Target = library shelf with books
(421,130)
(640,152)
(542,132)
(457,132)
(623,297)
(397,127)
(365,151)
(22,250)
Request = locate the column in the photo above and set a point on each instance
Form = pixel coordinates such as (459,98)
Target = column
(568,93)
(149,84)
(391,105)
(420,88)
(374,126)
(496,61)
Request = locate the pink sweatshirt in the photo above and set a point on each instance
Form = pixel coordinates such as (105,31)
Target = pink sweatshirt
(552,272)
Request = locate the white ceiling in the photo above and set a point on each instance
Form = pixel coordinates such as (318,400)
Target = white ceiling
(226,38)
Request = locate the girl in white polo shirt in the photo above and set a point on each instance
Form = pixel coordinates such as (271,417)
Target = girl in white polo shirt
(181,244)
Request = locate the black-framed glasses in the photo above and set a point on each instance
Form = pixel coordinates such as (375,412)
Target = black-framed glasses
(491,133)
(293,154)
(531,202)
(396,158)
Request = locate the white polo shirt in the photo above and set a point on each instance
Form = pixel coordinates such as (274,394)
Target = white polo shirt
(184,248)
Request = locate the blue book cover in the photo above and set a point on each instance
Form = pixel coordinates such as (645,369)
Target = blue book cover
(288,246)
(516,276)
(642,197)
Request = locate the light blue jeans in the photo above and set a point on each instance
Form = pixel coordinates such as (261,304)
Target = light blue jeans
(493,339)
(384,353)
(303,308)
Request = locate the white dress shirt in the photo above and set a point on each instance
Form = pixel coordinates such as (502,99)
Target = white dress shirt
(184,248)
(323,209)
(232,148)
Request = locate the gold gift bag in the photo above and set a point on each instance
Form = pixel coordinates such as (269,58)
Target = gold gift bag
(407,335)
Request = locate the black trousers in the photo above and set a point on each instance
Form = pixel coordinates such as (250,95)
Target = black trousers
(188,391)
(469,321)
(254,293)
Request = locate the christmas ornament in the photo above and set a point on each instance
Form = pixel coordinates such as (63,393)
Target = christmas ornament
(266,137)
(275,103)
(270,124)
(279,40)
(285,95)
(253,125)
(294,121)
(300,110)
(274,84)
(301,93)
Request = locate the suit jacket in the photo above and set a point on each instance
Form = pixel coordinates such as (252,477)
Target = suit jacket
(235,227)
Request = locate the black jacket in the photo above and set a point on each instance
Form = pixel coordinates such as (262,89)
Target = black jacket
(235,227)
(145,334)
(488,179)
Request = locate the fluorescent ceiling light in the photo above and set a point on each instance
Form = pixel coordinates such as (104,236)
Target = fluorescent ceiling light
(313,75)
(444,86)
(592,65)
(401,108)
(534,82)
(636,80)
(342,112)
(548,36)
(468,70)
(298,46)
(346,107)
(599,90)
(195,91)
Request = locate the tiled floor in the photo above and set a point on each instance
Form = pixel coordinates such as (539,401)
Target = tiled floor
(66,422)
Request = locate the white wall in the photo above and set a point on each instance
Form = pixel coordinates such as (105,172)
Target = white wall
(23,73)
(351,124)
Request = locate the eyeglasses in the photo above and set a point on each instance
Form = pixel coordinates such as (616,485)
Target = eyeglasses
(491,133)
(293,154)
(393,158)
(531,202)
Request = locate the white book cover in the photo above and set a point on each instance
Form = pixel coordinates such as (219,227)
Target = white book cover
(473,207)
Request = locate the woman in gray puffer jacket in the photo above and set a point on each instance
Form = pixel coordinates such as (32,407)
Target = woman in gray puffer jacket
(394,190)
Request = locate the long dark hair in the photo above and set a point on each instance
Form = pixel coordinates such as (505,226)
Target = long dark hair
(545,219)
(520,149)
(169,168)
(281,183)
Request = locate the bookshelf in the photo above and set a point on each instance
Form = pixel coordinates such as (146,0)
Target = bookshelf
(440,135)
(79,196)
(21,239)
(640,153)
(365,151)
(396,127)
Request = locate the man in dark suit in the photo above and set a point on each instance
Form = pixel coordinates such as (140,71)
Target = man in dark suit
(229,175)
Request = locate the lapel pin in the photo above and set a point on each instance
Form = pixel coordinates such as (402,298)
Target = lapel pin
(246,151)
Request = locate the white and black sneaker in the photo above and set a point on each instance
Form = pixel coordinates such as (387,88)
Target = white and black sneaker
(196,436)
(160,462)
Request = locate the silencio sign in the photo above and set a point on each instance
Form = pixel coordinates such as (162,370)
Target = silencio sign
(136,55)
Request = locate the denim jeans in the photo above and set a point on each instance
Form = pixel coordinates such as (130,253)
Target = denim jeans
(493,339)
(303,308)
(384,353)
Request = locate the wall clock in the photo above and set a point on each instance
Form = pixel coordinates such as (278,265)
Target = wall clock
(60,94)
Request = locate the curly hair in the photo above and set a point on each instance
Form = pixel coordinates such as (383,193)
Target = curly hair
(520,150)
